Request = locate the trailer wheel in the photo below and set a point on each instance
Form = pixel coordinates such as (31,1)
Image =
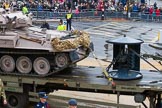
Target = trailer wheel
(16,100)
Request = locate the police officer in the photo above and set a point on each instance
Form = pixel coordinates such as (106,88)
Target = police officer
(2,91)
(60,27)
(43,101)
(72,103)
(68,19)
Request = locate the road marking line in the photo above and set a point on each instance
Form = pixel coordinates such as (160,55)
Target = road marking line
(121,24)
(105,30)
(103,34)
(96,27)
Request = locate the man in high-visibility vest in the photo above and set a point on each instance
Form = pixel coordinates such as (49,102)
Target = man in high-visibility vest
(68,19)
(60,27)
(25,10)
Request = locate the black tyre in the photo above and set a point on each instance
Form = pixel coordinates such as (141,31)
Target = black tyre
(16,100)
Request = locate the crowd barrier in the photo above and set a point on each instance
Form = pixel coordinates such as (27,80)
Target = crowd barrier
(97,14)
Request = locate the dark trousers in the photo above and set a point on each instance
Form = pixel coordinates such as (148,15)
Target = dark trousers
(1,103)
(68,25)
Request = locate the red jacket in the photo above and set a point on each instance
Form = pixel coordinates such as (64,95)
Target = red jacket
(157,11)
(151,11)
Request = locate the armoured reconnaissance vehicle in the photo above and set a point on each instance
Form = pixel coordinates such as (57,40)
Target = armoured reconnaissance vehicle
(28,50)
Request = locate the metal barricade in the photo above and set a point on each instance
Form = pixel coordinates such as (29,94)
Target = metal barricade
(81,15)
(93,14)
(135,15)
(146,17)
(150,18)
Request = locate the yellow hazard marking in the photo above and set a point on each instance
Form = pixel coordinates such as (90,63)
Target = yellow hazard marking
(158,35)
(157,38)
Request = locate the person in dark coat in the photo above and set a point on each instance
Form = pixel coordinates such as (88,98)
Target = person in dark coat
(45,25)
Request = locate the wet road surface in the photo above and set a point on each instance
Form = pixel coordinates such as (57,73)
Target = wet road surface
(102,31)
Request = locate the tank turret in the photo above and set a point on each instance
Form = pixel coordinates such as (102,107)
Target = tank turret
(38,52)
(15,19)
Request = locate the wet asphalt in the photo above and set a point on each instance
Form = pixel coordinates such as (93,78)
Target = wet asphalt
(101,31)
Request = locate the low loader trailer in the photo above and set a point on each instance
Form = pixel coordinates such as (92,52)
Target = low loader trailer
(125,78)
(20,90)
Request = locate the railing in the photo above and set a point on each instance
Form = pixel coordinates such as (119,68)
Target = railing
(96,14)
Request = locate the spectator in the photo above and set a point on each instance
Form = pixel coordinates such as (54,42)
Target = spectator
(157,11)
(77,12)
(135,8)
(68,2)
(150,12)
(146,10)
(153,15)
(160,10)
(120,7)
(6,6)
(142,1)
(155,5)
(125,9)
(40,7)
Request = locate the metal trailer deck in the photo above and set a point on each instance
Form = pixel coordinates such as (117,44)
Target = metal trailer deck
(90,79)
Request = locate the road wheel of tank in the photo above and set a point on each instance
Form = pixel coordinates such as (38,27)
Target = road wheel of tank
(7,63)
(15,100)
(41,66)
(61,59)
(24,64)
